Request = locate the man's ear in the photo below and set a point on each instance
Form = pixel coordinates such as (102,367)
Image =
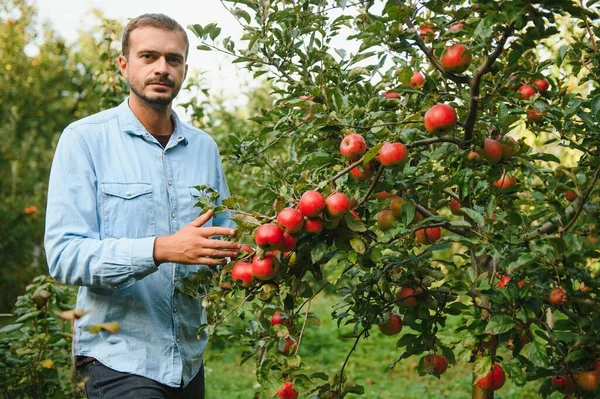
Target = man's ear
(123,65)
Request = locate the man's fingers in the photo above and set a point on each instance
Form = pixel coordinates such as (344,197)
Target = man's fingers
(200,220)
(212,261)
(217,231)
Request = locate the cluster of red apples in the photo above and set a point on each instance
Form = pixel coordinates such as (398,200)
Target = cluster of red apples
(528,89)
(456,58)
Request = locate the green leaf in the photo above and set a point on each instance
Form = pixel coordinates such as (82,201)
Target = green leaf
(596,107)
(318,251)
(354,224)
(28,316)
(203,47)
(358,245)
(372,153)
(499,324)
(336,273)
(239,13)
(482,366)
(476,216)
(485,28)
(10,328)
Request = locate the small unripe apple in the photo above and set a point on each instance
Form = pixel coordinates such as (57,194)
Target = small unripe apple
(541,84)
(493,380)
(392,326)
(241,274)
(287,391)
(417,80)
(491,151)
(558,296)
(429,235)
(363,172)
(407,296)
(440,119)
(505,181)
(353,146)
(456,58)
(571,195)
(385,219)
(427,34)
(393,154)
(396,206)
(455,207)
(435,364)
(311,203)
(526,91)
(337,204)
(265,268)
(269,236)
(313,225)
(291,220)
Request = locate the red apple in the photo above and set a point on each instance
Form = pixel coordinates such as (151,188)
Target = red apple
(571,195)
(269,236)
(393,154)
(289,242)
(491,151)
(307,97)
(383,195)
(503,281)
(265,268)
(291,220)
(428,235)
(363,172)
(241,274)
(440,119)
(564,383)
(353,146)
(287,391)
(286,346)
(280,318)
(526,91)
(393,325)
(455,207)
(247,249)
(493,380)
(456,27)
(588,380)
(337,204)
(473,156)
(535,115)
(541,84)
(313,225)
(505,181)
(311,203)
(558,296)
(427,34)
(435,364)
(407,296)
(385,219)
(353,213)
(390,95)
(508,147)
(417,80)
(456,58)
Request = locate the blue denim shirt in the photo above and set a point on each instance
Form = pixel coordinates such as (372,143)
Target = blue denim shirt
(113,189)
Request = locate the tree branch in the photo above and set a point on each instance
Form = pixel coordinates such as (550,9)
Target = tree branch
(586,196)
(433,140)
(371,187)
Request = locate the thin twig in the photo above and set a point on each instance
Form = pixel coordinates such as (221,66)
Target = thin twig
(348,358)
(434,140)
(303,327)
(586,196)
(371,187)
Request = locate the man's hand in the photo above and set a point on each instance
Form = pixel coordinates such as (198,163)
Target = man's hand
(192,245)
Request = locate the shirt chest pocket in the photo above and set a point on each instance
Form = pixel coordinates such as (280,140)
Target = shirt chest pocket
(128,210)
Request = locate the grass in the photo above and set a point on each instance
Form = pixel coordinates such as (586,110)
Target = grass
(324,350)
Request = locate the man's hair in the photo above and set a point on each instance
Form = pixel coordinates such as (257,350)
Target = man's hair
(160,21)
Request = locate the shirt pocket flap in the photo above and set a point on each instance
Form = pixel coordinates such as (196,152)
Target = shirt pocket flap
(126,190)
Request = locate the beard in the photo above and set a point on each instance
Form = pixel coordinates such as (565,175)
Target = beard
(156,102)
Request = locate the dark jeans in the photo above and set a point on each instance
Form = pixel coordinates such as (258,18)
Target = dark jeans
(102,382)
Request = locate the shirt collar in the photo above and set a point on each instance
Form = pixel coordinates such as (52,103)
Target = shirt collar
(130,123)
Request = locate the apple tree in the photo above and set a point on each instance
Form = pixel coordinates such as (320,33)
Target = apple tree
(425,160)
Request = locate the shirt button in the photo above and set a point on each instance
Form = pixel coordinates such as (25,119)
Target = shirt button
(128,193)
(173,215)
(177,339)
(170,183)
(174,310)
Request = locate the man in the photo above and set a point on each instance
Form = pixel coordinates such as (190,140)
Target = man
(121,224)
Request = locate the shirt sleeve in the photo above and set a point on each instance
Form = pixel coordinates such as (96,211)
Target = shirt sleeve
(75,253)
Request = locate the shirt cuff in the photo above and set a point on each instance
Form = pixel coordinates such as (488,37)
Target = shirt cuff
(142,256)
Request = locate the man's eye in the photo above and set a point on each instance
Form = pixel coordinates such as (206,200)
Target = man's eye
(147,56)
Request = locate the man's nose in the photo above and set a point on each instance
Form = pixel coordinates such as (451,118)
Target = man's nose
(161,66)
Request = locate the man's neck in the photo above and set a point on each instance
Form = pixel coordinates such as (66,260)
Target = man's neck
(156,120)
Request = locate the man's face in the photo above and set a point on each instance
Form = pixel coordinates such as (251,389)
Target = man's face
(155,67)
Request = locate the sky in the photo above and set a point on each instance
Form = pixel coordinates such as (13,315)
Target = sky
(69,16)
